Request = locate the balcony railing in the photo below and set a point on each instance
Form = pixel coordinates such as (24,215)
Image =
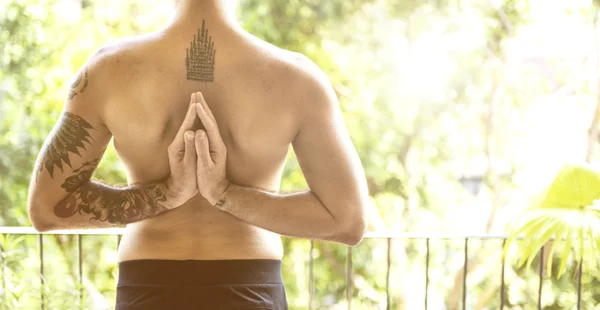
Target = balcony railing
(390,237)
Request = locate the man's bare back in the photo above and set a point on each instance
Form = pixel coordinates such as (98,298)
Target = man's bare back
(253,101)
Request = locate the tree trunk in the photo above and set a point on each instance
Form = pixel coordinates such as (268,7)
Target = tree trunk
(491,181)
(593,129)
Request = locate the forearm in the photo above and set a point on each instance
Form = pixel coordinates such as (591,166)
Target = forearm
(95,205)
(297,215)
(99,205)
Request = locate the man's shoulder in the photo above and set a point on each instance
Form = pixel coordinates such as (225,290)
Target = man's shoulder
(311,82)
(99,77)
(109,63)
(303,74)
(301,65)
(120,50)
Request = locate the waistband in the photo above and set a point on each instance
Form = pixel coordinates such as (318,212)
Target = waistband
(199,272)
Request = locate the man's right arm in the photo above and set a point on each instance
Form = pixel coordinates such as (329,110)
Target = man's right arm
(62,194)
(80,203)
(335,206)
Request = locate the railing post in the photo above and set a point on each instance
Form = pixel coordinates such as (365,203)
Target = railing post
(541,271)
(426,272)
(464,297)
(41,245)
(579,273)
(387,274)
(80,265)
(3,287)
(311,279)
(349,277)
(502,284)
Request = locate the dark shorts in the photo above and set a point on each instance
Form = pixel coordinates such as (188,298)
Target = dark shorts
(199,284)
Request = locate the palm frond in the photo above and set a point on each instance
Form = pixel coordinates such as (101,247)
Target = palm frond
(575,186)
(569,208)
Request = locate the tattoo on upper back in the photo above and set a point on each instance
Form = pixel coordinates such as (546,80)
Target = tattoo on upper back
(72,134)
(200,57)
(82,76)
(116,206)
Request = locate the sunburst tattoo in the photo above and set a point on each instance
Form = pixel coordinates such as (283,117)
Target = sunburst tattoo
(72,135)
(81,76)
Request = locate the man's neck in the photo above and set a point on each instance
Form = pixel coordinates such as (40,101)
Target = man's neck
(193,12)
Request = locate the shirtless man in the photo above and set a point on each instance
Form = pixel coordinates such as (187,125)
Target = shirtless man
(203,214)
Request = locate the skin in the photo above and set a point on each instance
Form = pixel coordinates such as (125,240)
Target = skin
(215,196)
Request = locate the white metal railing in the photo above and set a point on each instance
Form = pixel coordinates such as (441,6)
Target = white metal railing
(389,236)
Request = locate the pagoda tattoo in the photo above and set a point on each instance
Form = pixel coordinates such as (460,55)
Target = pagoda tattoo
(200,57)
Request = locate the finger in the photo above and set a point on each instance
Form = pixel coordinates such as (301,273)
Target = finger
(212,130)
(188,123)
(202,149)
(189,158)
(200,99)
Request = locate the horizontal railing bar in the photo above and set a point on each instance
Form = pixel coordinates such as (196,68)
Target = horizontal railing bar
(369,235)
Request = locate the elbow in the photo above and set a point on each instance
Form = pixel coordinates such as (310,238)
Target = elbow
(354,232)
(41,226)
(355,225)
(39,222)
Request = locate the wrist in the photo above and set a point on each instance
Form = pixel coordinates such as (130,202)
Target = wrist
(221,194)
(172,194)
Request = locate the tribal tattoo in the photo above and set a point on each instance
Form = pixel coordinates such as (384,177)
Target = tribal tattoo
(72,135)
(116,206)
(73,90)
(200,57)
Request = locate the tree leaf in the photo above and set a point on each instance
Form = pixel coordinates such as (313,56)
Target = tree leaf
(566,252)
(575,186)
(557,240)
(530,226)
(536,243)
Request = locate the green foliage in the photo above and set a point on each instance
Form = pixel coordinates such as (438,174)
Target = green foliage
(435,96)
(12,289)
(568,209)
(22,57)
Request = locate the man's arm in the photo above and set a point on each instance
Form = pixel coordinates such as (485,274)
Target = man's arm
(335,207)
(61,194)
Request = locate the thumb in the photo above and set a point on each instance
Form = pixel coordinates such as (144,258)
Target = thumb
(189,157)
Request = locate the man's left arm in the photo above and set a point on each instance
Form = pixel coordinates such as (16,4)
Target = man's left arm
(334,207)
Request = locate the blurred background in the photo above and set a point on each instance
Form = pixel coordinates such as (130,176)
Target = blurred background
(460,110)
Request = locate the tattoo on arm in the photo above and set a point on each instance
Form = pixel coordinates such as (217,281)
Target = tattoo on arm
(220,203)
(106,204)
(85,197)
(200,57)
(72,135)
(81,76)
